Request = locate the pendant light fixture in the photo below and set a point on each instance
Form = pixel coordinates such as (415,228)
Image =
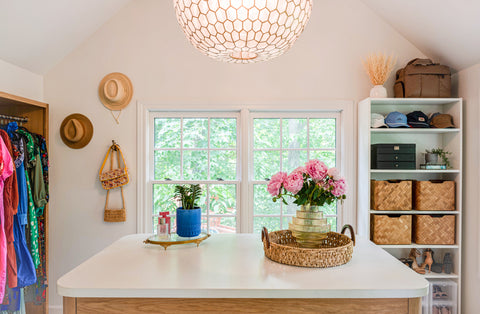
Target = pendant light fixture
(242,31)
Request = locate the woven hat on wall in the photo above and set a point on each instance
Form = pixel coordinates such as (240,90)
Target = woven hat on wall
(76,131)
(115,92)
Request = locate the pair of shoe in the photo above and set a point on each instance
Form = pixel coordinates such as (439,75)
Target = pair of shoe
(438,309)
(438,293)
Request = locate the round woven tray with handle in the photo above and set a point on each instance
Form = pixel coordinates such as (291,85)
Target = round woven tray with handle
(336,249)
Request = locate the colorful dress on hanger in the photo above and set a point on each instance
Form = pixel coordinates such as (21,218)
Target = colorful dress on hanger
(7,172)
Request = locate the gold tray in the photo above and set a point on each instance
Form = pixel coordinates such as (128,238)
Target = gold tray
(174,239)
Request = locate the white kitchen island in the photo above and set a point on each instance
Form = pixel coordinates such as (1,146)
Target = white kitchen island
(229,273)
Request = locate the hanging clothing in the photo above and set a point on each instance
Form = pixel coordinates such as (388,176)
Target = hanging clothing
(7,172)
(42,144)
(32,216)
(25,268)
(10,202)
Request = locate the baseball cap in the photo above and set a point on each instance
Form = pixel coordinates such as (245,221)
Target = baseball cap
(377,121)
(417,119)
(396,119)
(442,121)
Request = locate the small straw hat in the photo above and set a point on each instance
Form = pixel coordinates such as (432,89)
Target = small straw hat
(115,91)
(76,131)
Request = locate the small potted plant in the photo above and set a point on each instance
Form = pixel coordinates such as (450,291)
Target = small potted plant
(431,156)
(189,215)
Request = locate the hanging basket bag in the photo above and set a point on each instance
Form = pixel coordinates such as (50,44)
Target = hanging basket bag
(114,178)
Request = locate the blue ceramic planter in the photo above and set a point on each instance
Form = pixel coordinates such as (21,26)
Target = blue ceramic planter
(189,222)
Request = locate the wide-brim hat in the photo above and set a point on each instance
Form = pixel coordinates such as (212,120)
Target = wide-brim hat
(76,130)
(115,91)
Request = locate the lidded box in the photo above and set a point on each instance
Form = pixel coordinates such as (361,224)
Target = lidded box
(393,156)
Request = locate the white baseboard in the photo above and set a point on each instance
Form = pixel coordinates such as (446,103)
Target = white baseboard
(55,309)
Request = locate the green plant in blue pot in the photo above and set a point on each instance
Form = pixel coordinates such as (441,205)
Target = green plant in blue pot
(189,215)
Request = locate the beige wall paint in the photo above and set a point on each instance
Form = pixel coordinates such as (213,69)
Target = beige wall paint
(468,82)
(17,81)
(145,42)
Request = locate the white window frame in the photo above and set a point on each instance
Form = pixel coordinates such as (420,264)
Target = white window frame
(295,115)
(346,121)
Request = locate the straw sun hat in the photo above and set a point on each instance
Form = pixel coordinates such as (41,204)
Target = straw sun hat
(76,130)
(115,91)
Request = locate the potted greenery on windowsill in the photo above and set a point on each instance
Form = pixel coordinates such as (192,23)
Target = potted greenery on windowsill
(189,215)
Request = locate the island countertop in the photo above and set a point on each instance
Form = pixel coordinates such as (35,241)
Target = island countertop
(234,266)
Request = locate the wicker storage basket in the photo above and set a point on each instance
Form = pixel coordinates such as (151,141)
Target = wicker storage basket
(434,195)
(336,249)
(434,229)
(391,229)
(391,195)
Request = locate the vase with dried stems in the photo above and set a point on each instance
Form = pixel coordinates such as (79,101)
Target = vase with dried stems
(378,67)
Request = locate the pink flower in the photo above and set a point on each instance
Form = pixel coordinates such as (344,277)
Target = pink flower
(339,187)
(334,173)
(294,182)
(275,183)
(301,170)
(316,169)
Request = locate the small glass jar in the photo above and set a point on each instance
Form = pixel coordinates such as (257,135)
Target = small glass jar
(162,229)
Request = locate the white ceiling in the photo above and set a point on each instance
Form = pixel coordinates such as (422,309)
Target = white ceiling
(448,31)
(36,35)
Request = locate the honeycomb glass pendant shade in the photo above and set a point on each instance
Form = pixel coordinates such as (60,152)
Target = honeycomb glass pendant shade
(243,31)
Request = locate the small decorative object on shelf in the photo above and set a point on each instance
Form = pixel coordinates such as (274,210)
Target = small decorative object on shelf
(311,186)
(189,215)
(379,67)
(431,156)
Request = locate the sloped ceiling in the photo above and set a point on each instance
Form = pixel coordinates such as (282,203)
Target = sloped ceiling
(35,35)
(448,31)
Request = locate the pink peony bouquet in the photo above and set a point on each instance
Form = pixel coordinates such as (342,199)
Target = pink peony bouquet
(313,184)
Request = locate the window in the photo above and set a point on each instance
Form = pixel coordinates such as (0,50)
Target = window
(232,154)
(197,149)
(283,143)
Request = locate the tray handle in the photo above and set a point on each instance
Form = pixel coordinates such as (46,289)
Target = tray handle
(265,237)
(352,233)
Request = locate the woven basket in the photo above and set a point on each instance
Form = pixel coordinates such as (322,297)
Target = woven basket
(336,249)
(391,229)
(115,215)
(435,195)
(391,195)
(434,229)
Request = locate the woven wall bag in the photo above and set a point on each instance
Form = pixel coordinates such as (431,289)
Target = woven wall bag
(117,177)
(115,214)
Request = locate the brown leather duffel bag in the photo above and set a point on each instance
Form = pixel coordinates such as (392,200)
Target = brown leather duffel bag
(422,78)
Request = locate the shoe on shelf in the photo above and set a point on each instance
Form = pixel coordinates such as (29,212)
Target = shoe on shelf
(447,263)
(445,310)
(435,310)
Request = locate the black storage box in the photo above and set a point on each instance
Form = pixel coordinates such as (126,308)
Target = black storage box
(393,156)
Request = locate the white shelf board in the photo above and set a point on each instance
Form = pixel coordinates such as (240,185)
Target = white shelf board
(413,101)
(413,131)
(433,275)
(416,212)
(413,171)
(419,246)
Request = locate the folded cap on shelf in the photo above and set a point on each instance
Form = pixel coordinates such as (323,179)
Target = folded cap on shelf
(377,121)
(442,121)
(396,119)
(417,119)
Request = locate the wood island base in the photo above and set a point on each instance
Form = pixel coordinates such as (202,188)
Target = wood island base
(203,305)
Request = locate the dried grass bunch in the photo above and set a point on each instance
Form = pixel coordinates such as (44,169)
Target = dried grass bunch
(379,67)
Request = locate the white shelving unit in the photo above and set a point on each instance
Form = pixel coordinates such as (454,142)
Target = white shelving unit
(449,139)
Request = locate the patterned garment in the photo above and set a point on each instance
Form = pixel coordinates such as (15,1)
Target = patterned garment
(32,216)
(44,157)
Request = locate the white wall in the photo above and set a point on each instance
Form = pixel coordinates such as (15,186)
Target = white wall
(145,42)
(20,82)
(469,89)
